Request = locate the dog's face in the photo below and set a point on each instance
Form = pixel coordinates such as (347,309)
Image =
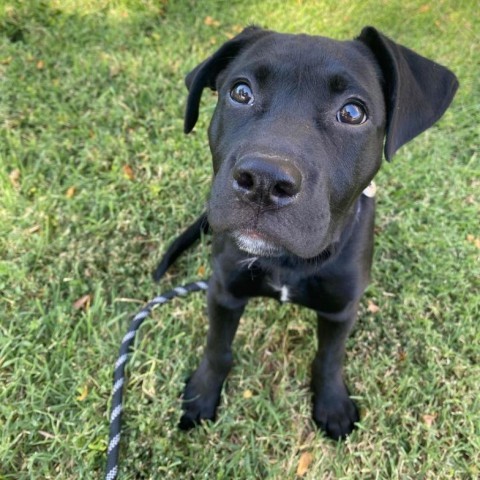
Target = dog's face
(298,133)
(305,116)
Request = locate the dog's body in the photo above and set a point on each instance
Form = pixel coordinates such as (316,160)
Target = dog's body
(297,136)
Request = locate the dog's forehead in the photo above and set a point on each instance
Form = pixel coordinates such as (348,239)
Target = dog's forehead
(297,55)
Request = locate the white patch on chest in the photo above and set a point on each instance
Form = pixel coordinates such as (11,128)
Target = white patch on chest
(284,294)
(282,290)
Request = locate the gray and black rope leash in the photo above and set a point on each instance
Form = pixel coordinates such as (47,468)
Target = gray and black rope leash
(119,373)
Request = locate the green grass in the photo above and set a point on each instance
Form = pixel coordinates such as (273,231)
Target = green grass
(90,87)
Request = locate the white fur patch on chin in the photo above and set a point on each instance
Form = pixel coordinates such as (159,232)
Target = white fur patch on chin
(255,245)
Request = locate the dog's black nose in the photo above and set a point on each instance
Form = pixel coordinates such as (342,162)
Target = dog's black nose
(267,181)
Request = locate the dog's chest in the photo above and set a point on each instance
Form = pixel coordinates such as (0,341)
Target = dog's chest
(283,285)
(279,284)
(290,287)
(283,292)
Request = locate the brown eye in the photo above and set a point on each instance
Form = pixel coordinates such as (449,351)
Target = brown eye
(242,93)
(352,113)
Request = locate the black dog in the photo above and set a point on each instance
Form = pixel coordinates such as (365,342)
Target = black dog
(296,137)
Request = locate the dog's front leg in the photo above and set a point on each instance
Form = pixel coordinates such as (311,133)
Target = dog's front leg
(333,410)
(202,392)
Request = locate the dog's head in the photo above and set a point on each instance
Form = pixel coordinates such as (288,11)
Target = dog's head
(299,129)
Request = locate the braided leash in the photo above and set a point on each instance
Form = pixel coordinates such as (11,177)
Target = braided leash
(119,373)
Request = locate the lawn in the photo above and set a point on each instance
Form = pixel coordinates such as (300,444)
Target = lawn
(96,178)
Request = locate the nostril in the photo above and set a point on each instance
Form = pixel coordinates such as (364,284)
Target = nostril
(244,180)
(284,190)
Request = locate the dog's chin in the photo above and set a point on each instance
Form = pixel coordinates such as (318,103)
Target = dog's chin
(257,244)
(260,247)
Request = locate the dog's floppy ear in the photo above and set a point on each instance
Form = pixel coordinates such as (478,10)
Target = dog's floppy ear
(205,74)
(417,90)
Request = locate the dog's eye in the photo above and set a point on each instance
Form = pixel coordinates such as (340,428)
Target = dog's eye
(352,113)
(242,93)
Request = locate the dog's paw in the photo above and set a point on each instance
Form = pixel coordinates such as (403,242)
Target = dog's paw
(198,404)
(335,413)
(195,412)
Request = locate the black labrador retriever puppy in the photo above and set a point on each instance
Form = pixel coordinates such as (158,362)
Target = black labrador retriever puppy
(296,139)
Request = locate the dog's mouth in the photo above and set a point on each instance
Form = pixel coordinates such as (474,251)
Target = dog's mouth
(258,244)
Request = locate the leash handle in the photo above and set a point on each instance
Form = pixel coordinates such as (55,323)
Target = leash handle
(119,374)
